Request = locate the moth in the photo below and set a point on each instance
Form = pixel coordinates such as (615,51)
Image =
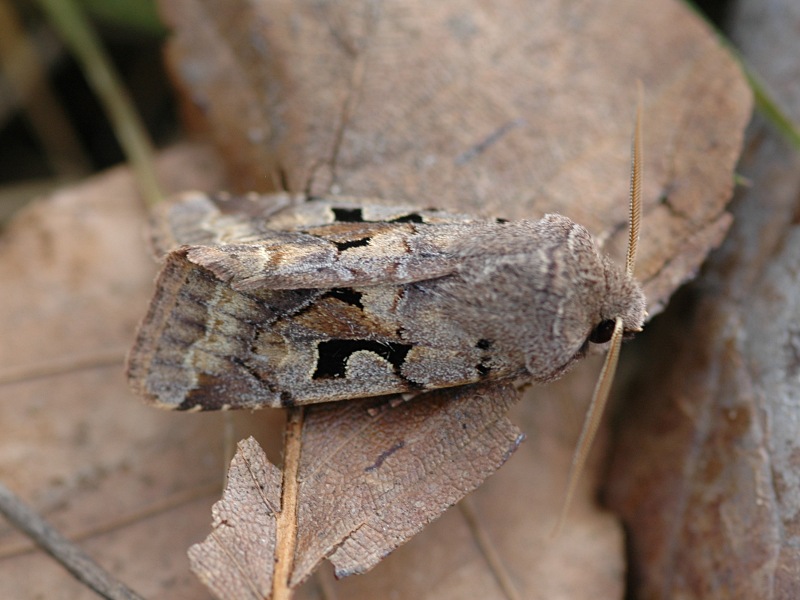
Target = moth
(280,301)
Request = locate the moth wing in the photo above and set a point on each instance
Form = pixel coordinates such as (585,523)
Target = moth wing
(282,242)
(337,255)
(195,218)
(199,218)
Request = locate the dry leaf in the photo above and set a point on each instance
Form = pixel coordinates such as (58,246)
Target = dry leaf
(371,474)
(133,484)
(396,468)
(237,559)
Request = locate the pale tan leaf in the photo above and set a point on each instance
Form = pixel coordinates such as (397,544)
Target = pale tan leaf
(128,482)
(237,559)
(374,473)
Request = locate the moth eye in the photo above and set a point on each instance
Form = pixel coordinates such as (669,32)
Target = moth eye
(603,332)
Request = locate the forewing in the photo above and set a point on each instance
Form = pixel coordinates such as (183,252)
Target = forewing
(283,242)
(287,302)
(206,346)
(338,255)
(199,218)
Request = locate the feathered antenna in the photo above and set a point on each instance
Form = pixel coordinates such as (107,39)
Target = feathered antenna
(636,185)
(603,387)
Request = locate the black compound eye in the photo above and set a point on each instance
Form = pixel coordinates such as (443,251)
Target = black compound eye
(603,332)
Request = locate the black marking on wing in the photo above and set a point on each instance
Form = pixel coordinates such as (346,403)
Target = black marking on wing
(341,246)
(482,368)
(333,355)
(356,215)
(409,218)
(346,295)
(348,215)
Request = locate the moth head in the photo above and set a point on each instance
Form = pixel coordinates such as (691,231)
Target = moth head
(623,299)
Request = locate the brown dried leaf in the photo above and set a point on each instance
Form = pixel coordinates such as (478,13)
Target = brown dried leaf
(237,559)
(394,471)
(372,473)
(705,472)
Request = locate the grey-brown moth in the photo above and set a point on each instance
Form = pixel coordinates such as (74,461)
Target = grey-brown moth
(273,301)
